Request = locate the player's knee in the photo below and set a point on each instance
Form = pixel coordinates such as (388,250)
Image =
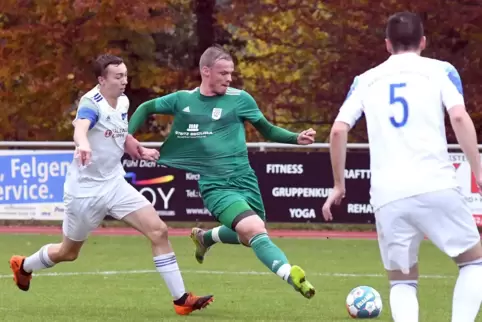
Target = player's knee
(248,225)
(244,241)
(158,235)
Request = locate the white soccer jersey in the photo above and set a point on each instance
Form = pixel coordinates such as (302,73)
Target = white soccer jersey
(404,101)
(107,135)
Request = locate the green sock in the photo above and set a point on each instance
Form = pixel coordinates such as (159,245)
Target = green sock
(221,234)
(271,256)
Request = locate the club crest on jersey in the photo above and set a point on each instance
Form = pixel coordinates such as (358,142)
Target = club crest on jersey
(217,113)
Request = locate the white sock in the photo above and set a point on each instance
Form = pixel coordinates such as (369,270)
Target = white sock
(39,260)
(403,301)
(166,265)
(215,235)
(468,292)
(284,271)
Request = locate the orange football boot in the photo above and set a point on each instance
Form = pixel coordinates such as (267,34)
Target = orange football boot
(193,303)
(21,278)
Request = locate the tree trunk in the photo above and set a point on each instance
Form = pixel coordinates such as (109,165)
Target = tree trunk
(205,26)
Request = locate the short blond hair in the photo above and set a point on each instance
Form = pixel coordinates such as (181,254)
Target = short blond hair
(212,55)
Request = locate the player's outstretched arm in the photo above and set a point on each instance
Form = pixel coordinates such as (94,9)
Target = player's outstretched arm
(161,105)
(132,146)
(249,111)
(277,134)
(274,133)
(141,114)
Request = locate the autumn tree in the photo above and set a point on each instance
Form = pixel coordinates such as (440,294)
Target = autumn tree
(301,56)
(297,58)
(48,47)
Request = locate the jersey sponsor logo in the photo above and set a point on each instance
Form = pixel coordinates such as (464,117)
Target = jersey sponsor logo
(284,168)
(217,113)
(193,127)
(302,213)
(293,192)
(186,109)
(115,133)
(192,132)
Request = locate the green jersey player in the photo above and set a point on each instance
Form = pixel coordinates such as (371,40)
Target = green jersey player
(208,137)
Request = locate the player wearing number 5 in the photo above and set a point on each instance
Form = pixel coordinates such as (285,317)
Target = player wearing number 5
(414,191)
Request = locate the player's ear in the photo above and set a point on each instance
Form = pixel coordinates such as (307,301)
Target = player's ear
(205,71)
(388,45)
(101,80)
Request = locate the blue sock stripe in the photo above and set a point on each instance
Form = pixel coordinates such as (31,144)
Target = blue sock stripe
(257,238)
(42,259)
(168,259)
(166,263)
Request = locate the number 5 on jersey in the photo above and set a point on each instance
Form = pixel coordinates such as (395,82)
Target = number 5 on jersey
(394,99)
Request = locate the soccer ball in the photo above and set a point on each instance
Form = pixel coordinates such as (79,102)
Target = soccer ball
(364,302)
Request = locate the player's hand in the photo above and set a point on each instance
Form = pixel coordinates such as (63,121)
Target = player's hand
(149,154)
(133,147)
(83,154)
(306,137)
(335,197)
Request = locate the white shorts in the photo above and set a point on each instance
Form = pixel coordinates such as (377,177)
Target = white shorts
(442,216)
(84,214)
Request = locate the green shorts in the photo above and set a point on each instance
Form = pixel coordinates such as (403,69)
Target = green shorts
(220,193)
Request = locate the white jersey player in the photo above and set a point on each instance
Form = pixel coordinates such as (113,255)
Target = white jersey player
(95,187)
(414,192)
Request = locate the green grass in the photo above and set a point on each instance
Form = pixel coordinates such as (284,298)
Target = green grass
(238,296)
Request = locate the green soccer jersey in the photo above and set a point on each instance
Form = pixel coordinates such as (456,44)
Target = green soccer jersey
(208,135)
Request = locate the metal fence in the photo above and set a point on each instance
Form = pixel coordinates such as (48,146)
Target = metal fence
(252,145)
(293,184)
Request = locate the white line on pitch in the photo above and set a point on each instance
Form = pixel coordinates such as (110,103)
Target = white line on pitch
(206,272)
